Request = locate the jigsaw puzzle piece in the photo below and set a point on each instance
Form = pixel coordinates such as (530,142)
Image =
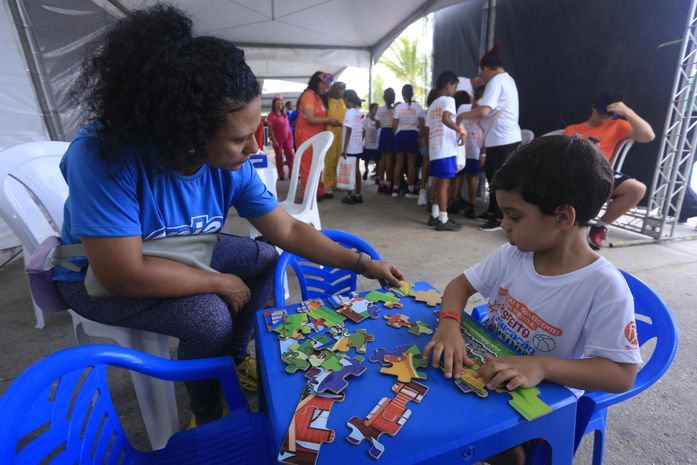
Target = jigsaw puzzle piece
(384,297)
(398,321)
(308,306)
(467,382)
(322,380)
(308,429)
(430,297)
(359,339)
(294,326)
(387,417)
(402,367)
(379,355)
(327,317)
(419,328)
(527,402)
(326,359)
(274,318)
(404,289)
(295,361)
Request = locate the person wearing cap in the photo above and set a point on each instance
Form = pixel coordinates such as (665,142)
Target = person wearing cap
(610,123)
(336,108)
(498,114)
(352,141)
(312,119)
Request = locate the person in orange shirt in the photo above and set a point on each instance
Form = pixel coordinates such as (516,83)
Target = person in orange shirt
(312,119)
(611,122)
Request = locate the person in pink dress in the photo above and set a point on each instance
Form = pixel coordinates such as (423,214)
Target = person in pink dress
(281,136)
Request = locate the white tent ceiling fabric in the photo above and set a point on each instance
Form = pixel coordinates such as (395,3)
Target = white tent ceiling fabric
(291,39)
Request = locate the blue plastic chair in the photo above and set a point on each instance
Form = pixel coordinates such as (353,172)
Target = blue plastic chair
(60,407)
(318,280)
(654,320)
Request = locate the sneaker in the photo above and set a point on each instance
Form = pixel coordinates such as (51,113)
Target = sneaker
(485,216)
(414,194)
(349,200)
(432,221)
(596,236)
(247,373)
(491,225)
(395,193)
(358,198)
(422,197)
(450,225)
(469,212)
(365,176)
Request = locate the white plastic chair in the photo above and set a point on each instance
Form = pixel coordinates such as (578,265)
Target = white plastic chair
(558,132)
(621,154)
(306,211)
(32,197)
(526,136)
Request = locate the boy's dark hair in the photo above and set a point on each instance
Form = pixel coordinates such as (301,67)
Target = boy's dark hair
(151,83)
(373,105)
(605,98)
(445,78)
(554,171)
(462,98)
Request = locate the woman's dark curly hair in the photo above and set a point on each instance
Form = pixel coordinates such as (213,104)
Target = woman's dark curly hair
(151,84)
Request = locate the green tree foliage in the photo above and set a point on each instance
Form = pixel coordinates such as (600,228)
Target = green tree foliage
(404,61)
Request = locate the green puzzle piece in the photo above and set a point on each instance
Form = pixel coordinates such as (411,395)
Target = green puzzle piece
(420,328)
(359,339)
(526,402)
(293,326)
(330,317)
(295,361)
(376,296)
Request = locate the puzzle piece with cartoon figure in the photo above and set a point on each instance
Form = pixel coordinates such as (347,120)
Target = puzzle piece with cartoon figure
(322,379)
(293,326)
(387,417)
(308,429)
(387,299)
(354,307)
(404,366)
(357,340)
(401,321)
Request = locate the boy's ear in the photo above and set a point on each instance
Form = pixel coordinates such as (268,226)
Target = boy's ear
(566,217)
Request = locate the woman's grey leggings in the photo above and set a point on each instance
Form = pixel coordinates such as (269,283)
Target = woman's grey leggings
(202,323)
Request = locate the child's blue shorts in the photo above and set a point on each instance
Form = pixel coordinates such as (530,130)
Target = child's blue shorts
(471,167)
(371,155)
(443,168)
(406,141)
(386,141)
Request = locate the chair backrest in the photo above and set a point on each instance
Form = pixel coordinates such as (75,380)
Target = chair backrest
(320,144)
(61,405)
(558,132)
(526,136)
(621,154)
(33,191)
(317,280)
(653,320)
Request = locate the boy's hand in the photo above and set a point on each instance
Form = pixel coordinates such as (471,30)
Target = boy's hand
(513,372)
(447,343)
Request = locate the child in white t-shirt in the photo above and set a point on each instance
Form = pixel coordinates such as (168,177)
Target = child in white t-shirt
(567,311)
(407,123)
(473,149)
(370,138)
(445,140)
(352,141)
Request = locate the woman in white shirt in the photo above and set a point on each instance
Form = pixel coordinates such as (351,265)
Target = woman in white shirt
(408,126)
(498,112)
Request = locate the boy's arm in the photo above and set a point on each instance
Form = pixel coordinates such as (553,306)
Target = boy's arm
(592,374)
(447,342)
(347,137)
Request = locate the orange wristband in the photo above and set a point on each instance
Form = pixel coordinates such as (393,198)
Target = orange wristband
(448,314)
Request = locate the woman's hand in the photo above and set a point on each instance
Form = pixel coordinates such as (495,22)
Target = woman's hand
(448,343)
(383,271)
(513,372)
(461,136)
(234,292)
(334,122)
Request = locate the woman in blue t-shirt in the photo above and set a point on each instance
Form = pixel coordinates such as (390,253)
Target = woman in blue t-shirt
(171,122)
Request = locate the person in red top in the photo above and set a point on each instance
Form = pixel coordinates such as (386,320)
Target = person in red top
(611,122)
(313,119)
(280,135)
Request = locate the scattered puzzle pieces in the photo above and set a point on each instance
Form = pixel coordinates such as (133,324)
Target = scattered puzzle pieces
(357,340)
(308,429)
(387,417)
(293,326)
(379,355)
(430,297)
(274,318)
(309,305)
(402,321)
(403,367)
(354,307)
(327,316)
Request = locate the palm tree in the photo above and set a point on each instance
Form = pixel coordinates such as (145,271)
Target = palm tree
(406,64)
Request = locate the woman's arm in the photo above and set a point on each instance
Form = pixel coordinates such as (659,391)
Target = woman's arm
(478,113)
(309,114)
(121,267)
(272,136)
(302,239)
(447,120)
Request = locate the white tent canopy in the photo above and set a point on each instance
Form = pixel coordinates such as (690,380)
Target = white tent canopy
(291,39)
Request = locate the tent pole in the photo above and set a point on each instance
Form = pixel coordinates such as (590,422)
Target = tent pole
(370,79)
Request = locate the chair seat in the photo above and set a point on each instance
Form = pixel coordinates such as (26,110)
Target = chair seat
(234,439)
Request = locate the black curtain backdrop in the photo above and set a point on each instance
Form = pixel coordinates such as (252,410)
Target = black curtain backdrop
(563,52)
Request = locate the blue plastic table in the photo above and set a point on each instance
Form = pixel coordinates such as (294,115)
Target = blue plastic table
(447,426)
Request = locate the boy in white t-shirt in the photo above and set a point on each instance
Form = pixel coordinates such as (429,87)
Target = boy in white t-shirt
(566,310)
(352,141)
(445,148)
